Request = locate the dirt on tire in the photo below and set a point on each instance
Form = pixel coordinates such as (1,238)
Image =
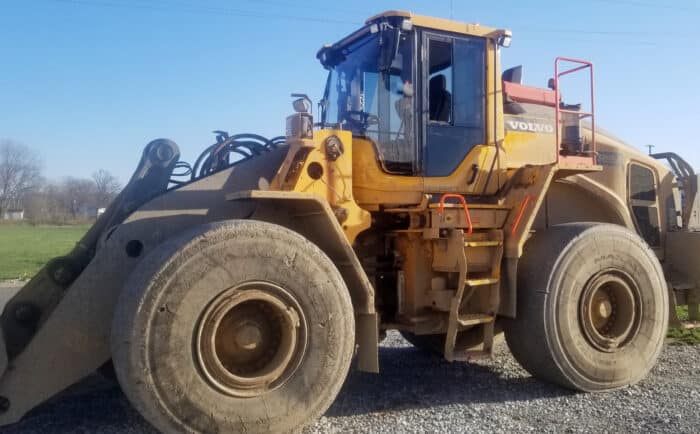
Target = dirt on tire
(155,321)
(549,337)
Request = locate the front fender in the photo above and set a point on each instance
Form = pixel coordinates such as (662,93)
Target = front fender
(313,218)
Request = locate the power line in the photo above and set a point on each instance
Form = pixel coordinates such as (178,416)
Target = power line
(605,32)
(297,4)
(206,10)
(648,5)
(258,2)
(573,39)
(170,5)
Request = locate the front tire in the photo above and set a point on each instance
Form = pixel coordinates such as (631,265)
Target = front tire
(592,307)
(240,326)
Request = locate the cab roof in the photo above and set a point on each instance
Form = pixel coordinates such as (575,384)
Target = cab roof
(440,24)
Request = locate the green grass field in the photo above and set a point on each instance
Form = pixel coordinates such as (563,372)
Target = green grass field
(24,249)
(684,336)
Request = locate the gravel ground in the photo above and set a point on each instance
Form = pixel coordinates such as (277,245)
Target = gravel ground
(417,392)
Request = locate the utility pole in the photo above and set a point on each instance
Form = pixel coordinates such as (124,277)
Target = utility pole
(650,148)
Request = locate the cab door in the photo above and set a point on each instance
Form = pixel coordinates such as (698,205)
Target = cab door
(454,100)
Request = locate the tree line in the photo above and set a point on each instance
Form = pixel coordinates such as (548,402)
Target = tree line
(23,187)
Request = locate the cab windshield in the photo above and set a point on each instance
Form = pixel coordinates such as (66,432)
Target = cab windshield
(370,92)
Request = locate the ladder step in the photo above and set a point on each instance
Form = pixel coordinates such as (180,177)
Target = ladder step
(487,243)
(471,319)
(482,282)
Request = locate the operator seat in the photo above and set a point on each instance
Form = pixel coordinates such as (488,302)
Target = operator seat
(440,99)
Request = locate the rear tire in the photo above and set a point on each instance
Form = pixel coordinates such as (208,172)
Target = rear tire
(240,326)
(592,307)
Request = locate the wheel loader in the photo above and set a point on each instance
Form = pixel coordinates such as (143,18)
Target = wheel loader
(431,193)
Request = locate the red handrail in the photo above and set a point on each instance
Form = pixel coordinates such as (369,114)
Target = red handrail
(583,64)
(441,208)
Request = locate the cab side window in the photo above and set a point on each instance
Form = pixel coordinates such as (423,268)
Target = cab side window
(440,81)
(643,200)
(455,104)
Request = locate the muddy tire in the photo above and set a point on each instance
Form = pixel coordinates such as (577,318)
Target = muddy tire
(592,307)
(240,326)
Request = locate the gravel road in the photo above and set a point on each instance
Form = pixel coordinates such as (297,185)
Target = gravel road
(421,393)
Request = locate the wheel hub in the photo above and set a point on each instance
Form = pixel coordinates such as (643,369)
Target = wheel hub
(610,310)
(605,309)
(250,339)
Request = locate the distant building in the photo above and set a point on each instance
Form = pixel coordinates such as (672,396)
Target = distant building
(13,214)
(87,212)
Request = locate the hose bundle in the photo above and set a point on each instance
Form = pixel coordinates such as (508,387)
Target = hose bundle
(219,155)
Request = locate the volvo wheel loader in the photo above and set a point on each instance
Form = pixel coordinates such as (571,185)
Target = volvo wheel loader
(431,194)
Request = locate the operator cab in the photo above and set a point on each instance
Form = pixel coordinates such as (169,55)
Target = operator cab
(422,113)
(370,90)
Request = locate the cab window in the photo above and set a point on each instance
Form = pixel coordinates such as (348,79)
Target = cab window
(455,102)
(375,100)
(644,204)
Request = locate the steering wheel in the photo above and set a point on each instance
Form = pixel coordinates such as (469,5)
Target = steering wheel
(366,119)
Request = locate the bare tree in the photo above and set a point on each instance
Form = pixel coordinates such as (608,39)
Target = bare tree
(72,199)
(78,197)
(20,173)
(106,187)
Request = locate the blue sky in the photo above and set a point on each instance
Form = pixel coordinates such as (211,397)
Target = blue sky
(87,83)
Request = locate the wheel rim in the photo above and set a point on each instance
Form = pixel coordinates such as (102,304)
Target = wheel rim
(610,310)
(251,339)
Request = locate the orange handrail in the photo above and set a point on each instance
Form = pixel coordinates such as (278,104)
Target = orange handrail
(520,214)
(441,208)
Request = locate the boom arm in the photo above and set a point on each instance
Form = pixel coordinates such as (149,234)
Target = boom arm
(28,309)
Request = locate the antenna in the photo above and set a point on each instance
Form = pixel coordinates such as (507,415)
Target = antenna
(650,148)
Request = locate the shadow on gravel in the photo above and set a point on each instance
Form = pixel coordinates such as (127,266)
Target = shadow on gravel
(91,406)
(411,378)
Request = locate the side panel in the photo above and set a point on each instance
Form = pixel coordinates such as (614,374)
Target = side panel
(684,264)
(678,247)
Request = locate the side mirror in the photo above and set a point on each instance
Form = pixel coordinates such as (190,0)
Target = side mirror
(513,75)
(552,84)
(389,46)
